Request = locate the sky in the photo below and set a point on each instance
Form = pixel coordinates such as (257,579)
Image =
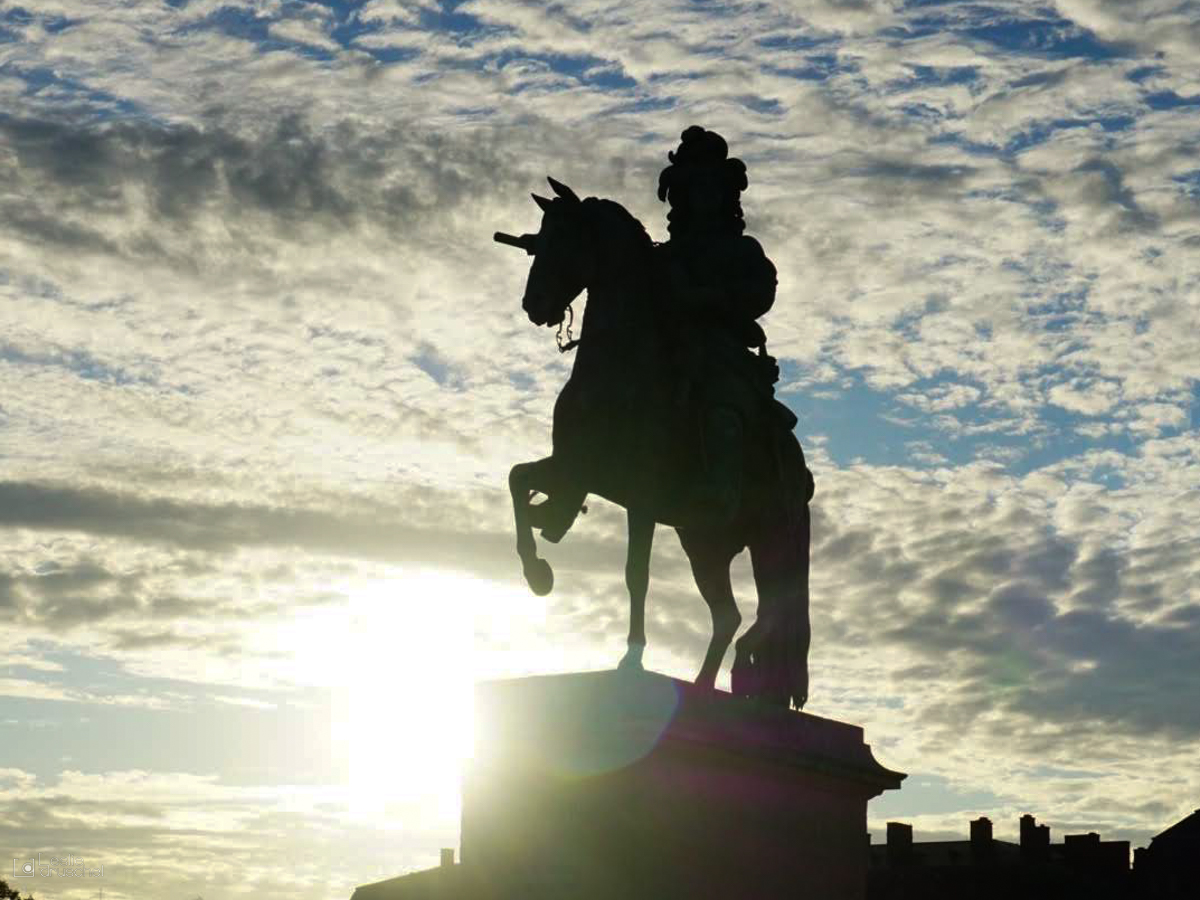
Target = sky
(263,373)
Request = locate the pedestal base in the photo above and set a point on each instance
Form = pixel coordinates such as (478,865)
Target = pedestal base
(635,785)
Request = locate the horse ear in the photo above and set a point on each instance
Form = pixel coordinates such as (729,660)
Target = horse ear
(562,190)
(542,202)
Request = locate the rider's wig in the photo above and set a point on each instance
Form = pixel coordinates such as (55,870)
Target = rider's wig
(702,151)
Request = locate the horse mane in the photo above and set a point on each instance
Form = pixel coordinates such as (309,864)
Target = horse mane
(621,223)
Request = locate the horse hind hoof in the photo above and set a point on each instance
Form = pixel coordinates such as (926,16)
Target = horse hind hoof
(539,576)
(632,660)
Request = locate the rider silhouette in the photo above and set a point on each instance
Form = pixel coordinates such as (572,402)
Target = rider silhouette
(715,282)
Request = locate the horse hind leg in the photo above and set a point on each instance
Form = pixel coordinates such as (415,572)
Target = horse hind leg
(742,676)
(710,568)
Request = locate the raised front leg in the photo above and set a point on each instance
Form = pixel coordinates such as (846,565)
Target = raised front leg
(637,580)
(538,574)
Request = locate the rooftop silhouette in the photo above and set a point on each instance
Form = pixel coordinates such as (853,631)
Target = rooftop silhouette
(977,866)
(1082,865)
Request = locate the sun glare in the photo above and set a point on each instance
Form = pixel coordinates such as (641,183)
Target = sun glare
(410,670)
(402,658)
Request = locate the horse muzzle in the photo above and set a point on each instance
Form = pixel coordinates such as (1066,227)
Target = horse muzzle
(533,309)
(536,308)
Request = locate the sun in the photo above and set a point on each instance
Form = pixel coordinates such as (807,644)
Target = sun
(409,688)
(402,658)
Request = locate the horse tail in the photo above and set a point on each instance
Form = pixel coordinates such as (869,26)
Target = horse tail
(777,644)
(796,628)
(799,487)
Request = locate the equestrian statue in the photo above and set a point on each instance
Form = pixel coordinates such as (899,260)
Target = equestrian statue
(670,409)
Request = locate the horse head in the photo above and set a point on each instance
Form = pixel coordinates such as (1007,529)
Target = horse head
(561,256)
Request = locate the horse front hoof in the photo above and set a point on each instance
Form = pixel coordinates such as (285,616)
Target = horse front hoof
(539,576)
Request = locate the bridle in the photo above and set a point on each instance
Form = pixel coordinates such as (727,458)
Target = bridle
(564,330)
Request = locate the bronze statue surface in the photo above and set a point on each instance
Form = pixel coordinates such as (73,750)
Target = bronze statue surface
(670,410)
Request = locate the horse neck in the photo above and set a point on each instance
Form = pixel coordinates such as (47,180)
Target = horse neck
(618,288)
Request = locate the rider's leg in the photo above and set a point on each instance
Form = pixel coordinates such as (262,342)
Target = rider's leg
(724,436)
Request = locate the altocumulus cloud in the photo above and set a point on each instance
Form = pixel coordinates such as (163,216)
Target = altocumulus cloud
(257,346)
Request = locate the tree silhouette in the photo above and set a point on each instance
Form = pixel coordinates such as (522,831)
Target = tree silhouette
(7,893)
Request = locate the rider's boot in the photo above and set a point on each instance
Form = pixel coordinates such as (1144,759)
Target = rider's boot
(555,515)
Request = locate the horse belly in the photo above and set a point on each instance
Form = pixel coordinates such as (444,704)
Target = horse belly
(612,435)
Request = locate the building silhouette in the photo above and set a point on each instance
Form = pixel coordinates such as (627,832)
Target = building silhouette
(1170,867)
(447,882)
(977,868)
(982,867)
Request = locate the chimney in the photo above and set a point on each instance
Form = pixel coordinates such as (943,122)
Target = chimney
(447,857)
(1035,840)
(981,836)
(899,844)
(1027,826)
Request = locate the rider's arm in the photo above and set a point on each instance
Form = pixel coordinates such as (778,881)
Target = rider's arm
(740,290)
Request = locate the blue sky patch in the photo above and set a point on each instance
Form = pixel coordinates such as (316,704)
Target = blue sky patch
(79,362)
(240,737)
(592,71)
(928,794)
(1052,38)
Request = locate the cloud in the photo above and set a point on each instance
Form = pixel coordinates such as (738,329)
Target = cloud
(260,354)
(1089,399)
(189,833)
(1168,26)
(222,528)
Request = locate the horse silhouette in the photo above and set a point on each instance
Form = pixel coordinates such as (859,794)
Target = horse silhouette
(620,432)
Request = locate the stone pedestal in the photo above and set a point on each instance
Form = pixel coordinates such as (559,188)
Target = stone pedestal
(615,785)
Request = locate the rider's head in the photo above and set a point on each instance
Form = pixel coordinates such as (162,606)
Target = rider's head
(703,185)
